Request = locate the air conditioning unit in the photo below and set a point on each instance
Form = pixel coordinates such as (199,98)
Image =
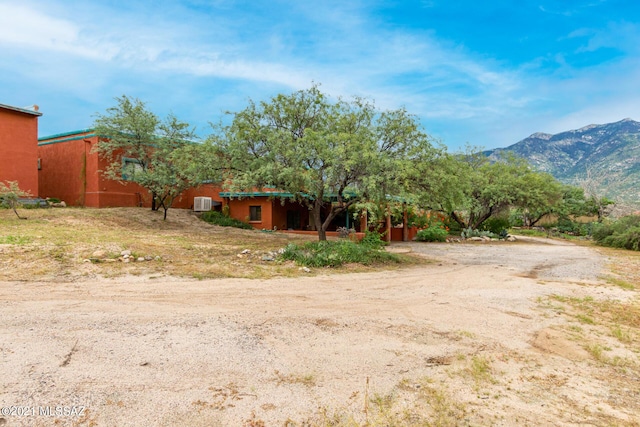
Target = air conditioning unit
(201,204)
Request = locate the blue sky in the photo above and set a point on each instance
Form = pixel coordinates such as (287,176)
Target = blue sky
(487,73)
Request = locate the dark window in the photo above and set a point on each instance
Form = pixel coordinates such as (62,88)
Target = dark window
(255,213)
(130,167)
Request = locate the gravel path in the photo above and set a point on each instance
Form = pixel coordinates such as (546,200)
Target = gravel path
(537,257)
(143,351)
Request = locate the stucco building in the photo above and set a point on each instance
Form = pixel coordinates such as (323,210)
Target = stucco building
(70,170)
(19,146)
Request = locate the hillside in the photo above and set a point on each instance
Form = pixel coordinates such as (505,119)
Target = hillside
(604,157)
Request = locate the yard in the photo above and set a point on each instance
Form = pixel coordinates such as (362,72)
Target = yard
(534,332)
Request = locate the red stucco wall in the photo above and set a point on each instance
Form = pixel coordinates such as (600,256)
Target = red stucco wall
(18,149)
(185,200)
(239,209)
(70,171)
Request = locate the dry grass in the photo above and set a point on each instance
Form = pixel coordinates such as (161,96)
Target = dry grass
(56,243)
(609,332)
(625,264)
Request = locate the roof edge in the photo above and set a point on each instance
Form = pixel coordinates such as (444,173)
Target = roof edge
(60,135)
(22,110)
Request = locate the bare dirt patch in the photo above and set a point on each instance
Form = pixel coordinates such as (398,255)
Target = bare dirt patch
(470,339)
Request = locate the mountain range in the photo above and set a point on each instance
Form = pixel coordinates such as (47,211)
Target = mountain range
(604,159)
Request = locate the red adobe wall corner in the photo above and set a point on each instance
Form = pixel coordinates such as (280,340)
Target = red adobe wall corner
(71,171)
(19,147)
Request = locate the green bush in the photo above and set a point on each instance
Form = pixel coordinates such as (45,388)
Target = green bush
(373,239)
(217,218)
(567,226)
(623,233)
(336,253)
(432,234)
(496,225)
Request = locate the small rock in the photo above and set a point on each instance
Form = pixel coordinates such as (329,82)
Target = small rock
(109,260)
(511,239)
(157,258)
(126,256)
(246,251)
(126,252)
(140,259)
(99,254)
(148,258)
(476,239)
(268,258)
(126,260)
(86,260)
(305,269)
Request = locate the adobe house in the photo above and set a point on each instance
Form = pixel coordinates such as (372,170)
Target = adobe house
(269,210)
(19,146)
(70,171)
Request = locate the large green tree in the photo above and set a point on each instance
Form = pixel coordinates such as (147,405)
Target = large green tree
(142,148)
(327,154)
(489,188)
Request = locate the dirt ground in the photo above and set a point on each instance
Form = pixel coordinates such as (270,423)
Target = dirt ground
(478,337)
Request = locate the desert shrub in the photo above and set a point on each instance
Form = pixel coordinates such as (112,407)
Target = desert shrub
(373,239)
(344,232)
(432,234)
(515,218)
(217,218)
(469,232)
(567,226)
(336,253)
(496,225)
(10,194)
(623,233)
(602,230)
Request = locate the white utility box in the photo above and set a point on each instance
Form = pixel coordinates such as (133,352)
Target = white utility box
(202,204)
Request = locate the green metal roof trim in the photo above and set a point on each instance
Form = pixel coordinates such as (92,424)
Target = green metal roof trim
(21,110)
(56,141)
(241,194)
(60,135)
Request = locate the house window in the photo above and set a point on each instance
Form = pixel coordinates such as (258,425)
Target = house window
(130,167)
(255,213)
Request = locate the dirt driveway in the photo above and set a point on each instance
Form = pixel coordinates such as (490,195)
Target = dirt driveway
(470,339)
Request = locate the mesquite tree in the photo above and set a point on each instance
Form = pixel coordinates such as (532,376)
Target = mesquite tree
(158,151)
(327,154)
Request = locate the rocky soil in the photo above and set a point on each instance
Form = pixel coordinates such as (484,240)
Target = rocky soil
(473,338)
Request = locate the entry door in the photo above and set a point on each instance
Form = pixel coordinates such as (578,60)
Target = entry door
(293,220)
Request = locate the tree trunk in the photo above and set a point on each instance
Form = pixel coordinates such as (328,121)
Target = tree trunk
(454,216)
(17,214)
(317,221)
(477,222)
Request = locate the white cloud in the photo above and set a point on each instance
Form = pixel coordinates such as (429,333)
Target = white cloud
(26,27)
(89,48)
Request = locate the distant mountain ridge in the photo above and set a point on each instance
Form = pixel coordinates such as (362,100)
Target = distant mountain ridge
(606,157)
